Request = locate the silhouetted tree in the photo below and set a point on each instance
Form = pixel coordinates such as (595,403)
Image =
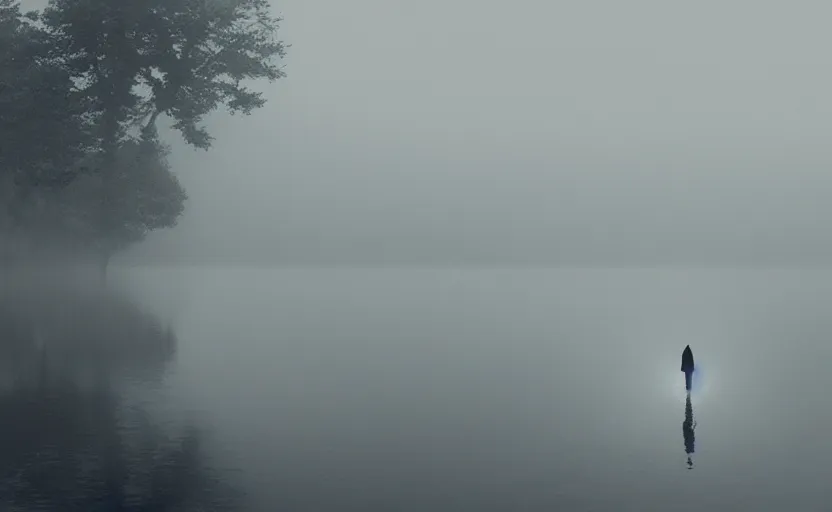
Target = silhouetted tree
(135,61)
(43,128)
(145,195)
(82,87)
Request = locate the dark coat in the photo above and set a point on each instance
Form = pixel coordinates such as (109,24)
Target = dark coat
(687,360)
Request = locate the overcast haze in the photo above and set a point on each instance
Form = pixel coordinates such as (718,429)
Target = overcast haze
(583,132)
(454,133)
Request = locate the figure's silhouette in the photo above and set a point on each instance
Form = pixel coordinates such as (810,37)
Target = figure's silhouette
(687,366)
(688,427)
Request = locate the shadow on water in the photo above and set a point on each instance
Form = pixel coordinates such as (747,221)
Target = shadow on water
(66,440)
(688,427)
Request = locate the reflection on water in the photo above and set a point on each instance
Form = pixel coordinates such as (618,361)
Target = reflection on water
(688,434)
(490,390)
(67,440)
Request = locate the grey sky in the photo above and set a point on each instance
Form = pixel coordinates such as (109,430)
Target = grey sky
(580,132)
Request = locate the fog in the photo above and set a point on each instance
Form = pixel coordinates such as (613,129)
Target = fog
(428,134)
(526,132)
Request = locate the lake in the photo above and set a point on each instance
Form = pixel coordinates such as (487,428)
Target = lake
(310,389)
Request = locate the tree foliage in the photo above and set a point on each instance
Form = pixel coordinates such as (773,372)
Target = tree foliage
(141,59)
(83,85)
(145,196)
(43,132)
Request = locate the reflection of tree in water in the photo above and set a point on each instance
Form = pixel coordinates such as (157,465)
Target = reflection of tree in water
(688,427)
(70,446)
(92,331)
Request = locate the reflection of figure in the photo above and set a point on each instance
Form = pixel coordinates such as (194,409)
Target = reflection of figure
(687,430)
(687,366)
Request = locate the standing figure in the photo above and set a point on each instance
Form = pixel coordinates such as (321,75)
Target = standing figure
(687,366)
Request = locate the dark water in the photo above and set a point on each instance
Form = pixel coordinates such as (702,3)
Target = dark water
(416,389)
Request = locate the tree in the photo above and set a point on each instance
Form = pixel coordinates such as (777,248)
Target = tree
(136,61)
(145,195)
(43,129)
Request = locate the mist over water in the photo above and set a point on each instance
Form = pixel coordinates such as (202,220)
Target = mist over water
(425,145)
(495,389)
(86,423)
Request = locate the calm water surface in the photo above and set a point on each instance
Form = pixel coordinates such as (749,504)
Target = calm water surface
(439,389)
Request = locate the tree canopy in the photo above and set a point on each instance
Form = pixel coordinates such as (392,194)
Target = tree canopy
(42,125)
(83,86)
(141,59)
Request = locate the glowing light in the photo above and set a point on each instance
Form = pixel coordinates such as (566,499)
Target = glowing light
(700,375)
(674,380)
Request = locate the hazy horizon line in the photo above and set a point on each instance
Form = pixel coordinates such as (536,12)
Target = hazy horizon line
(449,265)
